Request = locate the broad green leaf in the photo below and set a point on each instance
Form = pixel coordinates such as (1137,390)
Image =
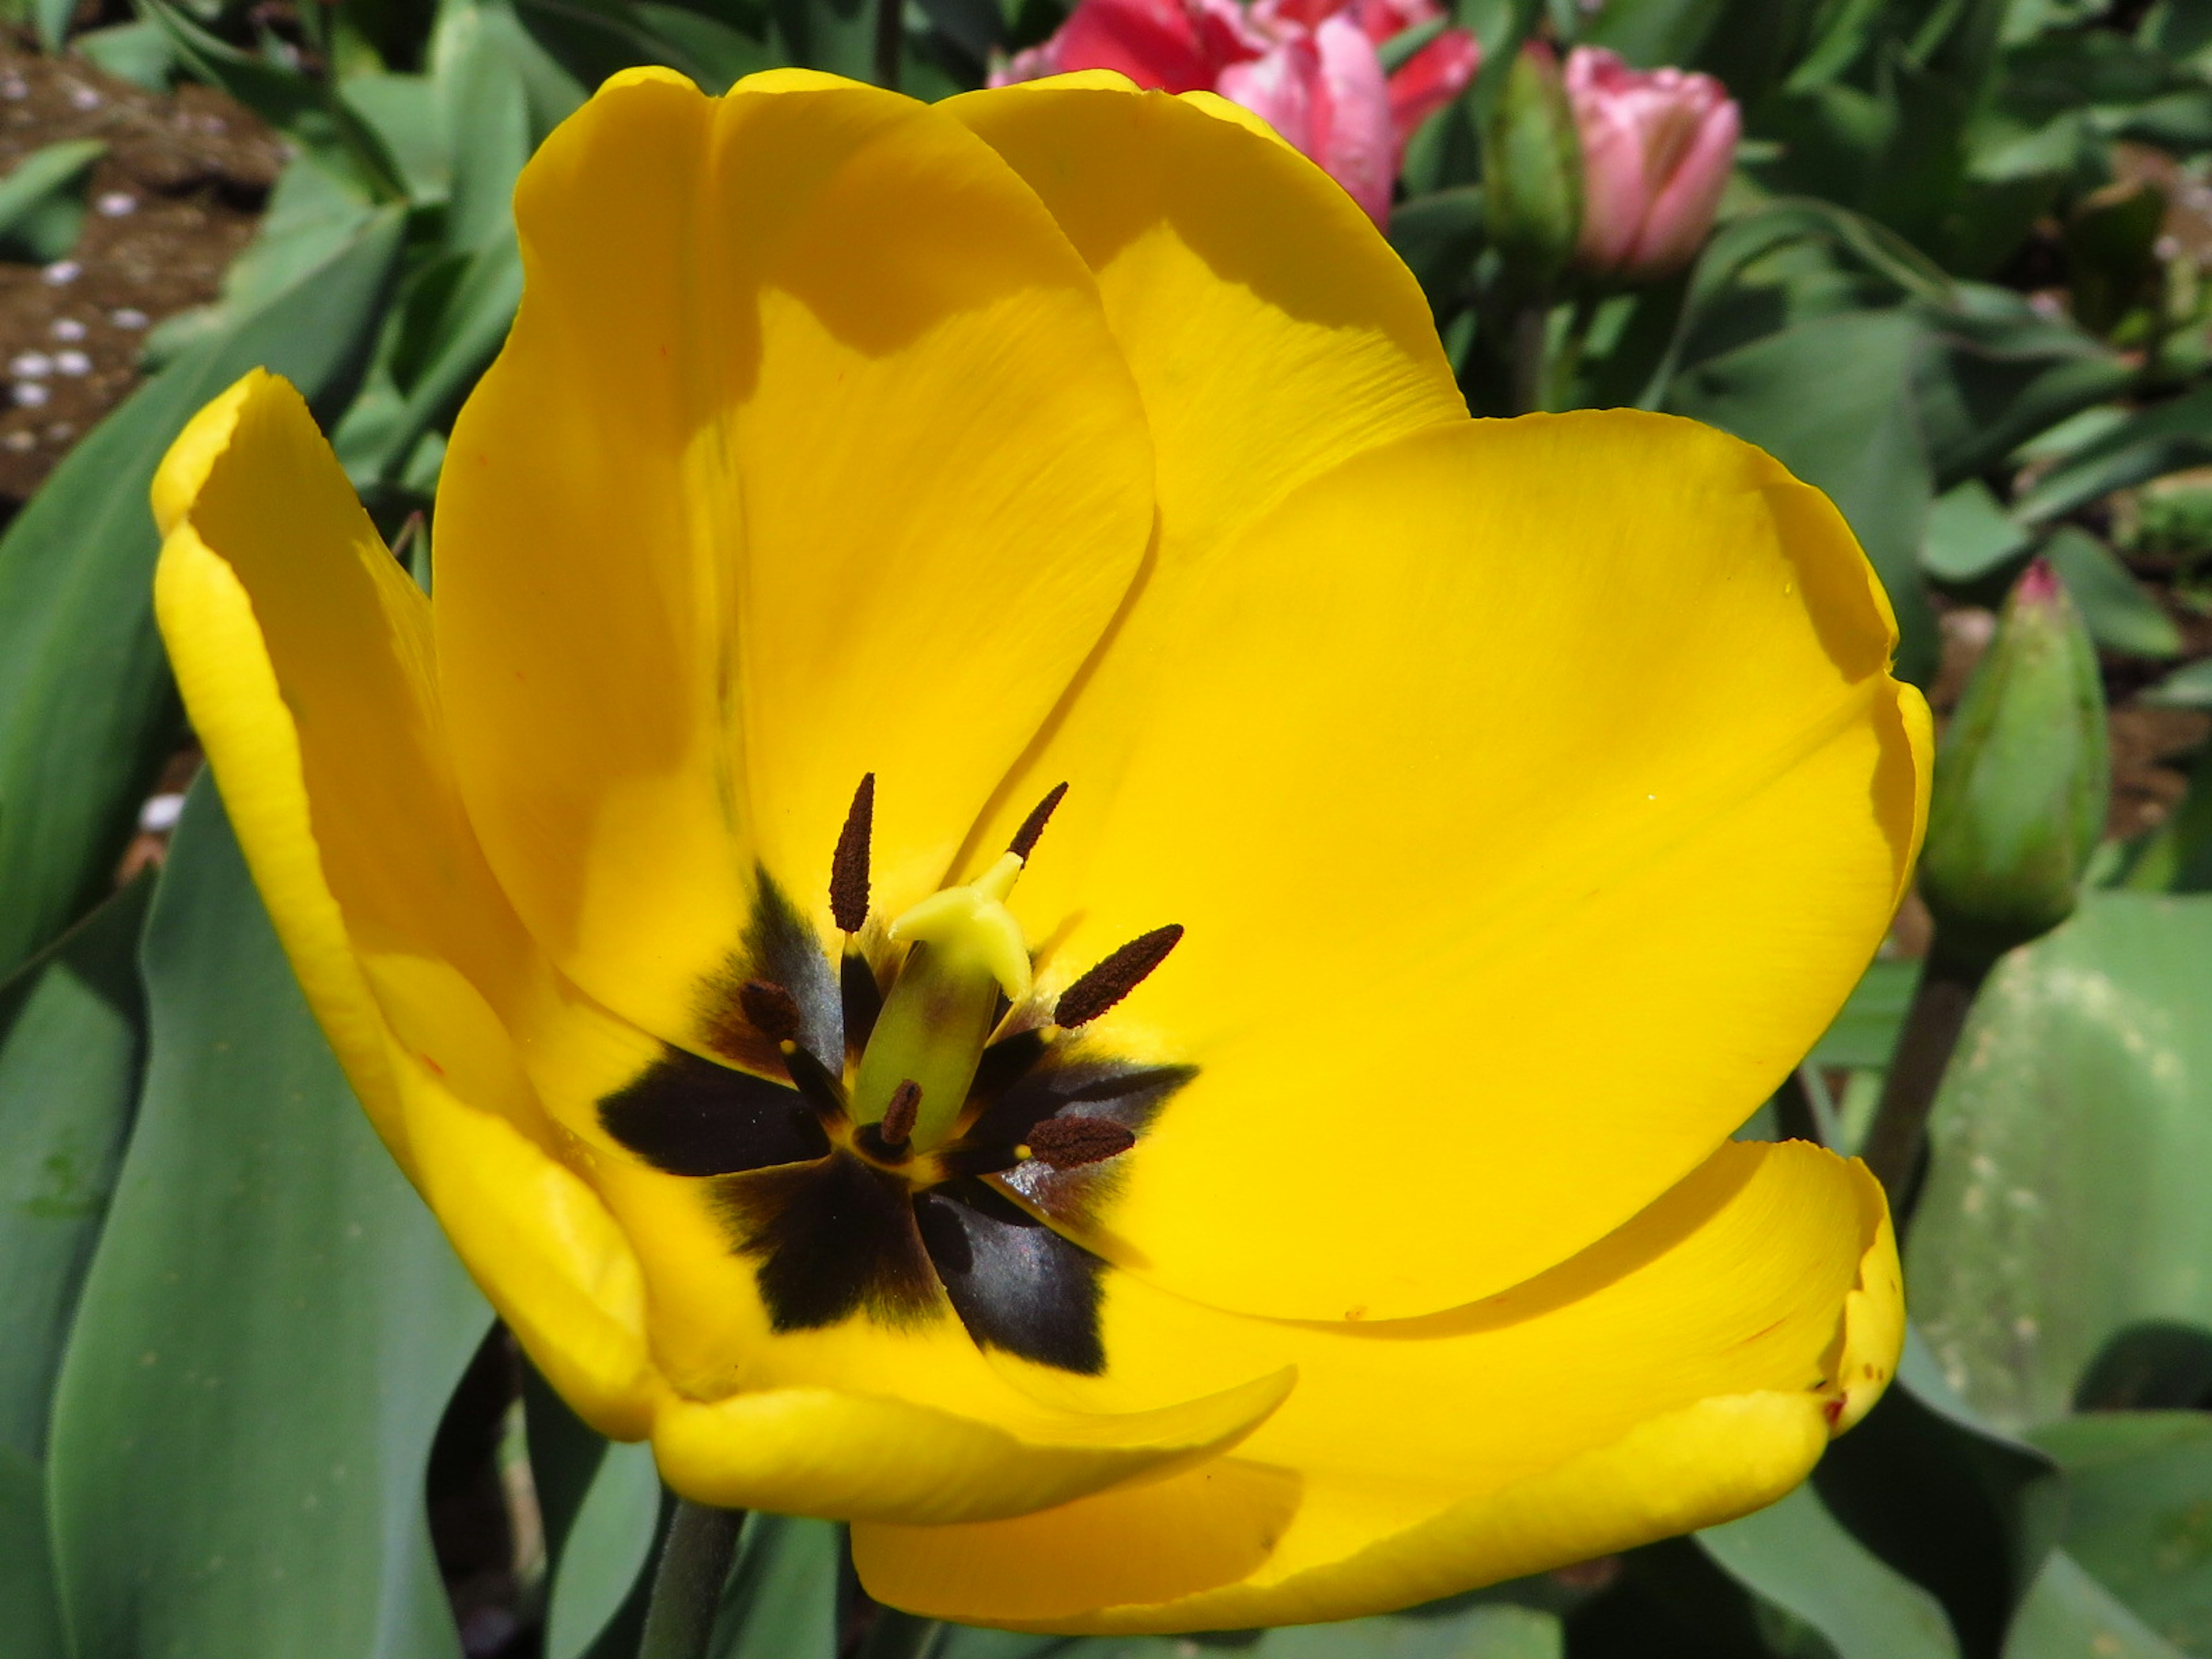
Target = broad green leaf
(1798,1556)
(1653,33)
(71,1043)
(2184,688)
(2139,1513)
(2119,614)
(1859,440)
(1439,236)
(1468,1627)
(485,98)
(2066,1195)
(782,1598)
(403,112)
(30,1617)
(603,1560)
(41,200)
(2145,444)
(138,53)
(2070,1615)
(1963,1509)
(1968,534)
(1998,372)
(87,710)
(269,1333)
(1865,1032)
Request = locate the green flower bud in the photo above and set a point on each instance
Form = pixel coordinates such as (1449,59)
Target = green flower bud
(1532,173)
(2021,781)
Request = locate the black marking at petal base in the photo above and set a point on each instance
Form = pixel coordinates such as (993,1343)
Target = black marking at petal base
(1004,1063)
(1025,838)
(780,948)
(1016,1285)
(689,1117)
(863,1000)
(1070,1079)
(831,1239)
(1113,979)
(848,866)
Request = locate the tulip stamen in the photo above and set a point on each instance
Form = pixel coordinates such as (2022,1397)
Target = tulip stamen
(848,865)
(770,1009)
(1113,979)
(1068,1143)
(1025,838)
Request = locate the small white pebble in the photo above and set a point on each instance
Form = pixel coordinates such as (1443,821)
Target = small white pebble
(30,365)
(115,203)
(129,317)
(63,272)
(72,363)
(19,443)
(160,814)
(12,88)
(68,328)
(2167,248)
(30,394)
(84,98)
(60,432)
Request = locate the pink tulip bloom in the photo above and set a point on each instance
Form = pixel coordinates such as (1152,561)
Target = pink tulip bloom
(1657,148)
(1307,68)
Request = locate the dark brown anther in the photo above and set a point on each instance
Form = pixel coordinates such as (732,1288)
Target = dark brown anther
(1116,977)
(899,1115)
(848,869)
(770,1010)
(1025,838)
(1068,1143)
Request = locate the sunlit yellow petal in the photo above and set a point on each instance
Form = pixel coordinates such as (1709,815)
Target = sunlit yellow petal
(1677,1373)
(1532,792)
(301,650)
(809,456)
(1271,331)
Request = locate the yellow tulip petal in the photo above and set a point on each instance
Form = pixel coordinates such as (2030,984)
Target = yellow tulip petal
(852,1456)
(1271,331)
(302,652)
(809,456)
(1680,1372)
(1532,794)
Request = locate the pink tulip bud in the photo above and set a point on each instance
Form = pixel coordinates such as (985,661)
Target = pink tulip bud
(1658,146)
(1323,90)
(1164,44)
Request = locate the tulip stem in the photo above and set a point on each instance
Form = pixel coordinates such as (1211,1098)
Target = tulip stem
(1529,350)
(890,29)
(1896,1141)
(687,1586)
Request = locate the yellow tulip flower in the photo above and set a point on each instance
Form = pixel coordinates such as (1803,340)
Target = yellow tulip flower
(1292,1181)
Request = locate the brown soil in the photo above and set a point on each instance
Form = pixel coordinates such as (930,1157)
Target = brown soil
(171,203)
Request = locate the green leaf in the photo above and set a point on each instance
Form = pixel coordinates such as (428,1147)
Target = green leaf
(604,1557)
(41,200)
(1968,535)
(138,53)
(2119,614)
(87,711)
(1654,32)
(1864,1034)
(269,1333)
(2139,1513)
(2065,1197)
(1963,1509)
(31,1627)
(2070,1615)
(71,1041)
(782,1598)
(2184,688)
(1859,440)
(485,95)
(1796,1555)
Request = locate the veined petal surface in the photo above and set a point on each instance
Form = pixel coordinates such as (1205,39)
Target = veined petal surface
(1271,333)
(1685,1370)
(1532,793)
(809,456)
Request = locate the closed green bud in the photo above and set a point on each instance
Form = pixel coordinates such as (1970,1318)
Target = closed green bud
(2021,781)
(1532,173)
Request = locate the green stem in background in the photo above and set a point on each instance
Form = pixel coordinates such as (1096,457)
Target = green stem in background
(1559,387)
(1897,1139)
(890,29)
(687,1586)
(1528,350)
(902,1636)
